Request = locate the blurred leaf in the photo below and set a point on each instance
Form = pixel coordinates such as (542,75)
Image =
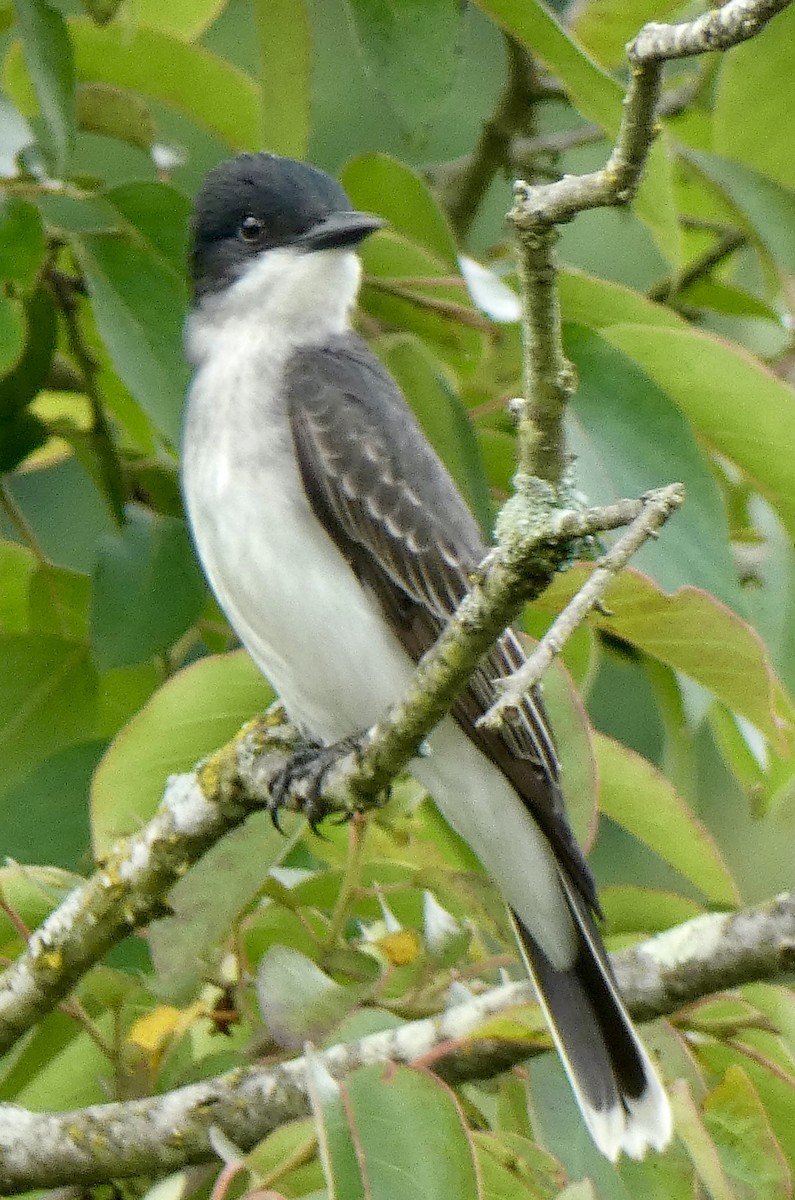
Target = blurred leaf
(410,1138)
(12,334)
(691,632)
(594,93)
(299,1002)
(410,50)
(75,1075)
(380,184)
(30,893)
(139,308)
(641,800)
(755,80)
(44,817)
(605,26)
(187,77)
(512,1167)
(285,52)
(17,566)
(184,19)
(59,600)
(612,412)
(776,1088)
(443,315)
(122,693)
(160,215)
(102,11)
(768,207)
(115,112)
(193,713)
(639,910)
(691,1129)
(19,437)
(28,375)
(22,244)
(50,61)
(598,97)
(208,900)
(598,302)
(443,417)
(48,700)
(751,1156)
(738,407)
(148,589)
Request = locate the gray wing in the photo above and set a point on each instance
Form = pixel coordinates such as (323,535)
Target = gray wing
(388,503)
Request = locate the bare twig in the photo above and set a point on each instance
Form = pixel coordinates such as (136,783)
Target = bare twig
(658,507)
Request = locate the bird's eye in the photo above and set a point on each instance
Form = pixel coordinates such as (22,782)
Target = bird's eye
(251,229)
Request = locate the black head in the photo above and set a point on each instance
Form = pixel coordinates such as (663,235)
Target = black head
(258,202)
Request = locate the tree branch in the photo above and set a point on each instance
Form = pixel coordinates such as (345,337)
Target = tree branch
(198,808)
(548,377)
(164,1133)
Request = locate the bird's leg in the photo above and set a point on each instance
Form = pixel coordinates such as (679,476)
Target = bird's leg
(301,783)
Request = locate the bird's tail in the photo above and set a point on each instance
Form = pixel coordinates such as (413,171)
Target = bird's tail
(615,1084)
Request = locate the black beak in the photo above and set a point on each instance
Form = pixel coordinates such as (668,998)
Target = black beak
(344,228)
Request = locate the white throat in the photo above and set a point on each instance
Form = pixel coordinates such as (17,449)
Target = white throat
(301,298)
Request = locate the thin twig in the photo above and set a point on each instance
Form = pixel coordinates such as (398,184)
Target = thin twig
(658,506)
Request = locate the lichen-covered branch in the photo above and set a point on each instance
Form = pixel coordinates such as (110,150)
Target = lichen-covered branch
(129,889)
(537,209)
(158,1134)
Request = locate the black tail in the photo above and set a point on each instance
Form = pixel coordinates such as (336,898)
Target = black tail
(615,1084)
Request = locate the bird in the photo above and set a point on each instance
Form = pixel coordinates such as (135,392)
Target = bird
(338,546)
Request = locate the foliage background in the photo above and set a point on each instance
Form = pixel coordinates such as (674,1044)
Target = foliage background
(115,663)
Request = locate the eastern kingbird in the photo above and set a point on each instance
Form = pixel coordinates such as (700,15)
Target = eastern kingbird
(338,546)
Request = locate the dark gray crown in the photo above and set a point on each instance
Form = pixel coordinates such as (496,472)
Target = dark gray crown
(287,197)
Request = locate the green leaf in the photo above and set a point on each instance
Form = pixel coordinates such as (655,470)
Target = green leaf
(410,1139)
(631,910)
(184,19)
(738,407)
(22,243)
(693,633)
(48,700)
(299,1002)
(642,801)
(755,80)
(594,302)
(514,1168)
(193,713)
(209,899)
(59,784)
(751,1156)
(50,61)
(691,1129)
(380,184)
(410,50)
(115,112)
(774,1083)
(12,334)
(768,207)
(188,78)
(159,214)
(148,589)
(285,59)
(17,566)
(605,26)
(31,893)
(22,383)
(441,315)
(139,308)
(59,600)
(612,412)
(444,419)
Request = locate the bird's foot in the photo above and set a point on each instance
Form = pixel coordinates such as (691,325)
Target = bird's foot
(304,779)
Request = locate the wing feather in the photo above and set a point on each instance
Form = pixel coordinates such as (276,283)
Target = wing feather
(390,506)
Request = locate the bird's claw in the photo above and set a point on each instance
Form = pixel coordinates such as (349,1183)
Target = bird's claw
(301,782)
